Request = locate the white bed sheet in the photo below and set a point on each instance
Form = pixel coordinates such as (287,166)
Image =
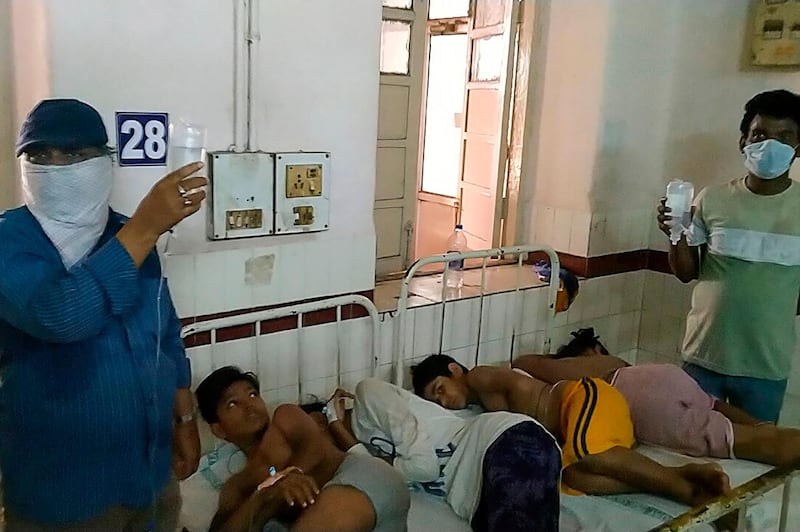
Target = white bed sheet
(635,512)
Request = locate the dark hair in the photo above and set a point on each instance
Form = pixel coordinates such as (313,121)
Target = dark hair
(582,339)
(776,104)
(434,366)
(210,391)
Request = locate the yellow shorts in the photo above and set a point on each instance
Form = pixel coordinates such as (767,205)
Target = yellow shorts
(594,418)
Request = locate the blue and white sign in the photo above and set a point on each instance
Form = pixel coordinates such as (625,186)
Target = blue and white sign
(142,139)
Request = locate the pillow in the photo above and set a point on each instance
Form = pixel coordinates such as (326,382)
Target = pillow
(200,492)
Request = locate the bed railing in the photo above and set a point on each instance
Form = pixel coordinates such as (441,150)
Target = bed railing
(738,499)
(400,333)
(299,310)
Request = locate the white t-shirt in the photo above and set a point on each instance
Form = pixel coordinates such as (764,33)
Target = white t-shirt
(435,447)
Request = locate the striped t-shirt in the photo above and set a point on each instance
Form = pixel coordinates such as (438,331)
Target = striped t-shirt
(743,310)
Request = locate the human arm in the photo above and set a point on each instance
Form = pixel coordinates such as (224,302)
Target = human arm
(291,488)
(383,409)
(337,420)
(161,209)
(684,259)
(40,298)
(185,437)
(552,370)
(736,415)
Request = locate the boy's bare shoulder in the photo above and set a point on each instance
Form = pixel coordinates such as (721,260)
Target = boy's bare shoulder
(292,421)
(490,376)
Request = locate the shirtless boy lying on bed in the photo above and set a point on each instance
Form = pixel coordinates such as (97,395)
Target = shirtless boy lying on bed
(295,477)
(667,406)
(589,418)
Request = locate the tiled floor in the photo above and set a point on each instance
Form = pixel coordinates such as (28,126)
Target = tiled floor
(427,290)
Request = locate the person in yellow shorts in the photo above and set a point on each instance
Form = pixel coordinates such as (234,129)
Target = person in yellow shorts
(588,417)
(594,418)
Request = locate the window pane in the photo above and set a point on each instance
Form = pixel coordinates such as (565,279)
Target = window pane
(489,12)
(443,114)
(395,40)
(401,4)
(448,9)
(487,59)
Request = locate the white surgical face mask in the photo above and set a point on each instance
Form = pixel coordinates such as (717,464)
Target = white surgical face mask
(70,203)
(769,158)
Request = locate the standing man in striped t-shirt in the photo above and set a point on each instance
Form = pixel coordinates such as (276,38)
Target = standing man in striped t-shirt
(744,250)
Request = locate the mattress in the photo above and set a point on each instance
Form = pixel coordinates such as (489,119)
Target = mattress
(618,513)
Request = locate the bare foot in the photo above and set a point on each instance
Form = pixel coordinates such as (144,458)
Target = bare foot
(709,481)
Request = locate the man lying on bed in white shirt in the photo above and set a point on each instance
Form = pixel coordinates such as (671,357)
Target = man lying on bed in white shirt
(500,471)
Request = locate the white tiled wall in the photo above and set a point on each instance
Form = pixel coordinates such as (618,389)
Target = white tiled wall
(620,230)
(566,230)
(591,234)
(664,308)
(213,282)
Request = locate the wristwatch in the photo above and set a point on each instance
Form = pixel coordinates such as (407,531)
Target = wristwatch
(186,418)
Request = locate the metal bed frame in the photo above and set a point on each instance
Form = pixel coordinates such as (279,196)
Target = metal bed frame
(299,311)
(400,333)
(739,498)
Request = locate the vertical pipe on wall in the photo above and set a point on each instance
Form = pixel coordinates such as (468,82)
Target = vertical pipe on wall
(241,69)
(253,39)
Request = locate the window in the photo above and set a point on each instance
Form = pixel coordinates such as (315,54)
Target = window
(399,4)
(448,9)
(487,59)
(441,162)
(395,40)
(489,13)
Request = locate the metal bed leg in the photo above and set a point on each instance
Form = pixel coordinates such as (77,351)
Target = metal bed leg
(785,504)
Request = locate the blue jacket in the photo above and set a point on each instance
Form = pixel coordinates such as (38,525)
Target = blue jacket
(90,360)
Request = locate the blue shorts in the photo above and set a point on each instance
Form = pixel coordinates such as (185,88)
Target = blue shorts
(521,482)
(761,398)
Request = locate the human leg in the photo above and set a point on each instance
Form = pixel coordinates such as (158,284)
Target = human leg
(521,477)
(761,398)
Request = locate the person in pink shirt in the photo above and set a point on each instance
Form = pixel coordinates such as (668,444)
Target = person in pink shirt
(667,406)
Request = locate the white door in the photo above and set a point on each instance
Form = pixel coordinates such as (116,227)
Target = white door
(402,61)
(492,42)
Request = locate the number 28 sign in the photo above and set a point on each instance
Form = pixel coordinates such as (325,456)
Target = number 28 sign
(142,139)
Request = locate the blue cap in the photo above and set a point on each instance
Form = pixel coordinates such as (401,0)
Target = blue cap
(62,123)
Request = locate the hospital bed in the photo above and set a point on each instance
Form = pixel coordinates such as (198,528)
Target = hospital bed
(762,496)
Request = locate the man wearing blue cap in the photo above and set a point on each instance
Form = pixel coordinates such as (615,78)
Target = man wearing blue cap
(96,414)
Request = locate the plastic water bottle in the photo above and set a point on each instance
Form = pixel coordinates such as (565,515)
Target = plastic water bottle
(187,144)
(456,243)
(679,200)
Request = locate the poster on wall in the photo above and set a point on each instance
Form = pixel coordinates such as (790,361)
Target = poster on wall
(142,138)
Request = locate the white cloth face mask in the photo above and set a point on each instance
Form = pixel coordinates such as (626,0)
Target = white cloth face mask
(70,202)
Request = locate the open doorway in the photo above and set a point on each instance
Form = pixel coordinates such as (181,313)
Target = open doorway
(461,65)
(465,126)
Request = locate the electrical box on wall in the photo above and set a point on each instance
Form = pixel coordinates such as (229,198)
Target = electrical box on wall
(776,36)
(241,202)
(302,192)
